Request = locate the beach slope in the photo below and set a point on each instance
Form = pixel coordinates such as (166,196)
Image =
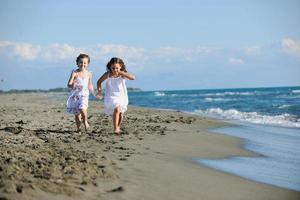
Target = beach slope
(43,158)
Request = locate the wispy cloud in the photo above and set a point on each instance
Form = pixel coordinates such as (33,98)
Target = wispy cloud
(186,54)
(252,50)
(134,56)
(57,52)
(61,52)
(236,61)
(291,47)
(24,51)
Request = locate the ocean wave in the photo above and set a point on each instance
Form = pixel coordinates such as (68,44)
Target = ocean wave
(209,99)
(248,93)
(295,91)
(159,94)
(285,120)
(284,106)
(214,94)
(230,94)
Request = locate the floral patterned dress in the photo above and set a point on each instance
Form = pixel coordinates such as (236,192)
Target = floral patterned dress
(79,96)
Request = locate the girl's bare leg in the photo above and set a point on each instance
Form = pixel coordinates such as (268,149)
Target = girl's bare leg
(84,118)
(78,122)
(116,117)
(120,120)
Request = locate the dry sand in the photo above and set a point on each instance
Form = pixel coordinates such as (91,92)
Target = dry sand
(41,156)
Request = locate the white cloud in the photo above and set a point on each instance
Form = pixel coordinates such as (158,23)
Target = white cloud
(132,55)
(252,50)
(61,52)
(236,61)
(290,46)
(57,52)
(101,52)
(25,51)
(120,50)
(187,54)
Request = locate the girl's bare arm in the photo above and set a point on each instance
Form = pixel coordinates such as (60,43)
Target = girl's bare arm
(71,79)
(91,87)
(100,80)
(127,75)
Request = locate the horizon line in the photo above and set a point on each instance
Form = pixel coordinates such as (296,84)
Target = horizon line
(155,90)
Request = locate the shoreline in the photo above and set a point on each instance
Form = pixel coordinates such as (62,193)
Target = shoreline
(150,161)
(276,145)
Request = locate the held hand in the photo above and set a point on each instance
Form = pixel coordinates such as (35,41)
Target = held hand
(98,95)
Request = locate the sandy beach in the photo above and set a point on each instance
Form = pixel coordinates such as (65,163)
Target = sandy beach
(42,157)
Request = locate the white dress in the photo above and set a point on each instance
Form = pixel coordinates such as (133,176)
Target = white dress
(79,96)
(115,95)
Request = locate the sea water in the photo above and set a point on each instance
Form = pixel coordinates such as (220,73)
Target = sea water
(278,106)
(268,122)
(279,164)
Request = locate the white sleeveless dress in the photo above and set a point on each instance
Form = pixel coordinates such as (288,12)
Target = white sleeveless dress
(115,95)
(79,96)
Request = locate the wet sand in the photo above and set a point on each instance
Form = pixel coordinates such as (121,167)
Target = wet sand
(42,157)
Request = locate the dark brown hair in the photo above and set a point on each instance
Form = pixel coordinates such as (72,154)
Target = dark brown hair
(82,55)
(115,60)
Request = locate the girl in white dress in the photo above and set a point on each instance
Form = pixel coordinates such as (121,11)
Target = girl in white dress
(80,82)
(116,98)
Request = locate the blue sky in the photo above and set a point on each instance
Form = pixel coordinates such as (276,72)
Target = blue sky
(167,44)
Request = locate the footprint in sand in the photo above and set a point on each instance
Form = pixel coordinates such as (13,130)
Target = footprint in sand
(14,130)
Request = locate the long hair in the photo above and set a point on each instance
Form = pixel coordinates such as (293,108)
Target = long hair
(115,60)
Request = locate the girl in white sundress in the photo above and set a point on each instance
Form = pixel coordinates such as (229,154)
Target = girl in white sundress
(80,82)
(115,99)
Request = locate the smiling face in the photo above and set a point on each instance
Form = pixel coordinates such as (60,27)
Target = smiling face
(115,68)
(83,63)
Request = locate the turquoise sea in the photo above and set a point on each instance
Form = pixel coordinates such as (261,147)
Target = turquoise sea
(278,106)
(267,119)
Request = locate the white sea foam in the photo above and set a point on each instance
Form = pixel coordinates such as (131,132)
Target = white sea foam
(209,99)
(295,91)
(285,120)
(230,93)
(159,94)
(284,106)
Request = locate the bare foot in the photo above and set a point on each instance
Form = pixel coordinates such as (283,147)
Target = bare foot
(117,131)
(78,124)
(86,125)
